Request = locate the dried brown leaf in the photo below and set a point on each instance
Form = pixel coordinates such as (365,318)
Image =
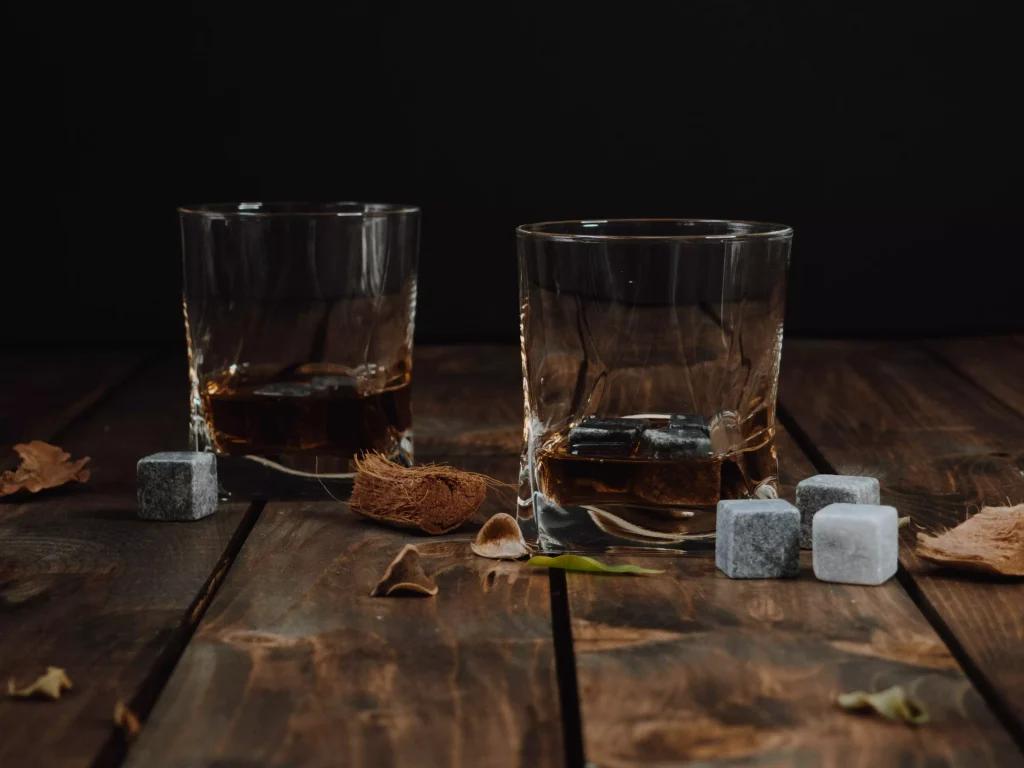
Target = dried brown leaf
(892,704)
(405,575)
(50,685)
(126,720)
(991,542)
(500,539)
(42,466)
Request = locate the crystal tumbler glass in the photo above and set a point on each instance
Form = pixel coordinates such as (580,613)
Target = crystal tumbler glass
(299,319)
(650,352)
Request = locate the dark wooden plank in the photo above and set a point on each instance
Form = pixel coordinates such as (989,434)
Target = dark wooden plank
(692,667)
(995,365)
(940,449)
(295,664)
(41,393)
(86,586)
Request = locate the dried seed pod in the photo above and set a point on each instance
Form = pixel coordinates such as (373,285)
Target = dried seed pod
(405,575)
(500,539)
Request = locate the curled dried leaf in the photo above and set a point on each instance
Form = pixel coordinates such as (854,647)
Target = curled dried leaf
(436,499)
(126,720)
(50,685)
(500,539)
(903,522)
(991,542)
(405,575)
(892,703)
(42,466)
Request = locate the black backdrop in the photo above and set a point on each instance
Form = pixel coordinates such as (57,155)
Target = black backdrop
(885,137)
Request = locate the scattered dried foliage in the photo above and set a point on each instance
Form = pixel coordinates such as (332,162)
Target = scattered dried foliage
(892,703)
(50,685)
(126,720)
(42,466)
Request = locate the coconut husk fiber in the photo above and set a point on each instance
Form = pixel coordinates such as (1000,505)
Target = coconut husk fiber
(433,498)
(991,542)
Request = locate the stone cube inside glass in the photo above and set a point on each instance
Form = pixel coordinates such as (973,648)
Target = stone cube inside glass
(651,351)
(299,319)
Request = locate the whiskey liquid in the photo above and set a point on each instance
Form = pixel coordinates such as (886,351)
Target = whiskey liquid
(314,410)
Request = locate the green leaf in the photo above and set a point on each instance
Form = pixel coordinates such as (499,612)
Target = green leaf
(581,563)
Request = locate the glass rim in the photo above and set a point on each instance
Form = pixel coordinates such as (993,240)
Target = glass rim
(284,208)
(548,230)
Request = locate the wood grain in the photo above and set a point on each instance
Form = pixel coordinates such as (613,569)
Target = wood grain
(296,665)
(86,586)
(693,668)
(993,364)
(940,449)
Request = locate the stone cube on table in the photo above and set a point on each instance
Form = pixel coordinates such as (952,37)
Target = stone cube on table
(856,543)
(757,538)
(816,493)
(179,485)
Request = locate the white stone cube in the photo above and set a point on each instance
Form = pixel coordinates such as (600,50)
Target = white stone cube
(856,543)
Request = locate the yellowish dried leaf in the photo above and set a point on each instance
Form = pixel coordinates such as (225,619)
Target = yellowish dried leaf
(126,720)
(892,704)
(50,685)
(42,466)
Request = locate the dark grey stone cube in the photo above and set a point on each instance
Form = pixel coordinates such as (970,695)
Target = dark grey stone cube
(606,437)
(677,443)
(758,538)
(177,486)
(690,421)
(816,493)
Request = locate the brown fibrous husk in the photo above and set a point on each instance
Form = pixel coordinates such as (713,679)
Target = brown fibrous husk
(990,542)
(500,539)
(436,499)
(405,575)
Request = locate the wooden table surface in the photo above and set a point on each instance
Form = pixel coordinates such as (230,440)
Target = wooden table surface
(249,638)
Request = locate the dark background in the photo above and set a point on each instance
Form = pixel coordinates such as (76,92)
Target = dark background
(887,137)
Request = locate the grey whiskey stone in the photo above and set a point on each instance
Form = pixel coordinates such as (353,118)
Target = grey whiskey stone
(856,543)
(690,421)
(677,443)
(818,492)
(758,538)
(180,485)
(606,437)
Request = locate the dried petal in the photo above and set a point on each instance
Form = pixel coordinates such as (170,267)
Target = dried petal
(51,685)
(892,703)
(500,539)
(405,576)
(42,466)
(126,720)
(991,542)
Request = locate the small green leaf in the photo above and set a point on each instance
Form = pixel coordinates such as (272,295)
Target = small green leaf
(581,563)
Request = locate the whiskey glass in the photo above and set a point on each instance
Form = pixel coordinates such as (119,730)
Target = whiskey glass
(650,353)
(299,321)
